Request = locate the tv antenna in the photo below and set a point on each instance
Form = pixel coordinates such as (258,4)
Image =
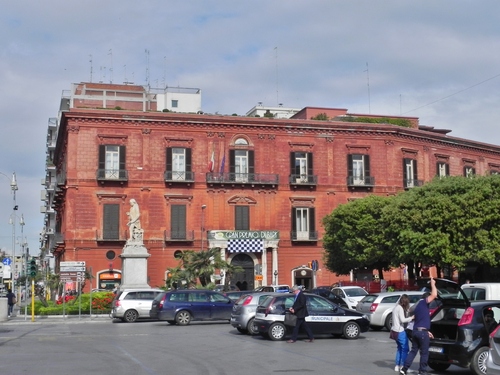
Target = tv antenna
(110,53)
(368,84)
(90,56)
(147,66)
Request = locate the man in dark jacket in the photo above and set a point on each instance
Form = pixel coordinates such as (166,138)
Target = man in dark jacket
(11,297)
(299,309)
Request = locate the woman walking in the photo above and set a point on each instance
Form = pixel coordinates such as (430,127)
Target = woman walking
(399,318)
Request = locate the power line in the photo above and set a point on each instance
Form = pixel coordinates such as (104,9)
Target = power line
(449,96)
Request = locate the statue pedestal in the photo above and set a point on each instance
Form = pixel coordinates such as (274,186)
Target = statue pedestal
(134,266)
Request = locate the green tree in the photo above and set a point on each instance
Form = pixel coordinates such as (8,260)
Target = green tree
(448,222)
(355,237)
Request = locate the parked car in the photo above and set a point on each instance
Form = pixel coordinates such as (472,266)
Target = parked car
(243,314)
(350,294)
(273,288)
(132,304)
(482,291)
(184,306)
(324,317)
(493,361)
(461,334)
(221,287)
(235,294)
(329,295)
(378,307)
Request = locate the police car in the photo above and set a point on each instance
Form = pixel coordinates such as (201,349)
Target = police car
(324,317)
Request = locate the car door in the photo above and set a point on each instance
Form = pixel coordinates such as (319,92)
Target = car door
(324,316)
(220,307)
(200,305)
(146,300)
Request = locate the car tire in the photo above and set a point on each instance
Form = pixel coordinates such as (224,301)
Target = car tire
(130,316)
(478,361)
(252,328)
(277,331)
(351,330)
(438,366)
(388,322)
(183,318)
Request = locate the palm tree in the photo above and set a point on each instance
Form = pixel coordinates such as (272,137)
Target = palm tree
(203,264)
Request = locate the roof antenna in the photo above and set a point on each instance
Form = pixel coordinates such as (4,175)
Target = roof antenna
(368,83)
(90,68)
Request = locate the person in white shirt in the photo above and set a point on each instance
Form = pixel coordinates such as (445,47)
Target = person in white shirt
(399,318)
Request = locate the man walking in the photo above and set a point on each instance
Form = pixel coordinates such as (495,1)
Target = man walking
(421,335)
(299,309)
(11,301)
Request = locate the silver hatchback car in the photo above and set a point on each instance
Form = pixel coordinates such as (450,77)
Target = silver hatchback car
(132,304)
(378,307)
(244,309)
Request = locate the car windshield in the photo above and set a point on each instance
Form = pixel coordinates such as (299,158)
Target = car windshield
(356,292)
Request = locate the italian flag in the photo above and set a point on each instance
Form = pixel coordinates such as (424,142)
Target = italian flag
(211,163)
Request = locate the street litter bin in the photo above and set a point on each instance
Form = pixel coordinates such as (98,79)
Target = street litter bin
(4,309)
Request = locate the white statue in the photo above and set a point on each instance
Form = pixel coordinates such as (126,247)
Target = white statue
(134,221)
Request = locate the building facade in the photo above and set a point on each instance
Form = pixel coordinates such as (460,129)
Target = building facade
(256,188)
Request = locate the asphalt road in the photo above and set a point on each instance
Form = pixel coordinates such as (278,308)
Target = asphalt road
(101,346)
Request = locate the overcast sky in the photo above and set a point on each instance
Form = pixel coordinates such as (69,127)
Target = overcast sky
(436,60)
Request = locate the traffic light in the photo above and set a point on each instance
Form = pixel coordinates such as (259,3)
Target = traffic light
(33,268)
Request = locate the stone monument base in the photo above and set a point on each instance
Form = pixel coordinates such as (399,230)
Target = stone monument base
(134,266)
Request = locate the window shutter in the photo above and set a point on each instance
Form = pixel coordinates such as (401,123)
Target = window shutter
(294,219)
(242,219)
(415,173)
(437,168)
(312,226)
(231,161)
(251,162)
(366,162)
(405,177)
(102,162)
(169,159)
(123,172)
(111,222)
(102,156)
(447,168)
(293,169)
(178,221)
(310,173)
(350,172)
(188,160)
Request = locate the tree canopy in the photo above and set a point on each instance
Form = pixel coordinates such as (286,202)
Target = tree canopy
(447,222)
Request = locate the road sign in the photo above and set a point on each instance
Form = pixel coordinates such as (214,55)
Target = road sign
(72,269)
(7,261)
(72,264)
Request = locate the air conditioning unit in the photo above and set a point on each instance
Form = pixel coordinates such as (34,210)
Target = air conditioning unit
(50,231)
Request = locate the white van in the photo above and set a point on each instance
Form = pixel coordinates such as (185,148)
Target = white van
(482,291)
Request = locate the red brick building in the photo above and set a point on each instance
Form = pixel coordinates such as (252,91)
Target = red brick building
(257,188)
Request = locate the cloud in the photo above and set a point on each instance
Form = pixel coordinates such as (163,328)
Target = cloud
(434,60)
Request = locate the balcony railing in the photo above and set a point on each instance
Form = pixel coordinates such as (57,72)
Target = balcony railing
(304,236)
(242,178)
(408,184)
(112,175)
(303,179)
(360,181)
(175,176)
(179,235)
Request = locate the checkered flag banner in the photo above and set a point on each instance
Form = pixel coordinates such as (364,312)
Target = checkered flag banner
(245,246)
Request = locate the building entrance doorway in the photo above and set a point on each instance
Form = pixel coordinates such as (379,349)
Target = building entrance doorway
(303,276)
(243,280)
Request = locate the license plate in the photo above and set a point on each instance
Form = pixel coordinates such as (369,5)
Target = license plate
(435,349)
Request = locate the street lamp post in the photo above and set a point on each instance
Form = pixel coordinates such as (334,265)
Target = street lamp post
(275,277)
(202,224)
